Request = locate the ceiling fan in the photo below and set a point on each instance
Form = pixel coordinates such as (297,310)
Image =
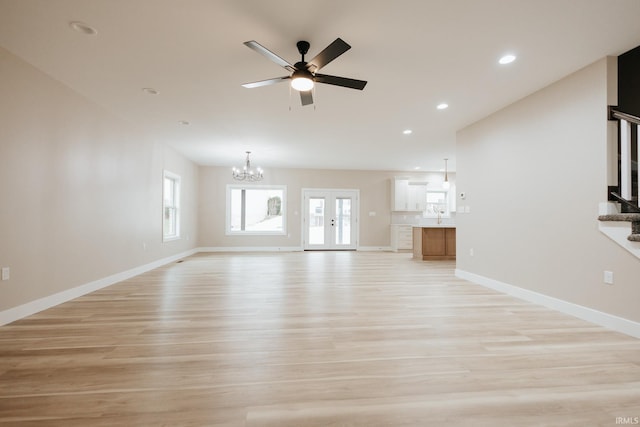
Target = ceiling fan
(304,74)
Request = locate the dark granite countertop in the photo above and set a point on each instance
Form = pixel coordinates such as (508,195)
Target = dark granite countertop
(620,217)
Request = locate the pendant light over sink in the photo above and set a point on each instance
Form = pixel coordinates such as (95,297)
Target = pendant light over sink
(446,184)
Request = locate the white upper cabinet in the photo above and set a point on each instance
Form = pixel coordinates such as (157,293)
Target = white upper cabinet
(408,196)
(399,194)
(417,199)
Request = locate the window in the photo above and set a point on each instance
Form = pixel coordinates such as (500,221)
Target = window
(170,206)
(437,204)
(256,209)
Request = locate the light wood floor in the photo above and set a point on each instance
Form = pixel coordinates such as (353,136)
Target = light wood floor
(312,339)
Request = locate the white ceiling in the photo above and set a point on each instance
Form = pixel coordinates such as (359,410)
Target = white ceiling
(415,54)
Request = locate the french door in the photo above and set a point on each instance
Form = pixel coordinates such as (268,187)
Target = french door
(330,219)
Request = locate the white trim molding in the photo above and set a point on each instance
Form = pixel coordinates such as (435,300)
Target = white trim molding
(606,320)
(375,249)
(282,249)
(32,307)
(251,249)
(618,231)
(603,319)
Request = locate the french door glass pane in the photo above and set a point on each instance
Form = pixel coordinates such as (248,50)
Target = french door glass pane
(343,221)
(316,221)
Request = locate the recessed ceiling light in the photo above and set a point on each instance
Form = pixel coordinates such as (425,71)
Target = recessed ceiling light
(150,90)
(184,123)
(507,59)
(83,28)
(416,168)
(442,106)
(407,131)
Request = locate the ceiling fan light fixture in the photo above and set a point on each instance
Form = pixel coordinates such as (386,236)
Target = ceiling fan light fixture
(302,75)
(302,81)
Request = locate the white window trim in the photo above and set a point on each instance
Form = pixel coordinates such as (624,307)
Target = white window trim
(447,212)
(176,178)
(230,232)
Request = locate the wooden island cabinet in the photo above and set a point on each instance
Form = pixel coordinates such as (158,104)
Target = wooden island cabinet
(434,243)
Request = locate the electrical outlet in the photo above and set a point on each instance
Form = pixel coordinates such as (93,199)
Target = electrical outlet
(471,252)
(6,273)
(608,277)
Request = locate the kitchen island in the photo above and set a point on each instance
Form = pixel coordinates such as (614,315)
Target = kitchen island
(434,242)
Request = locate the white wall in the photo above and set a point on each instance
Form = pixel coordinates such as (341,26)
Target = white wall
(534,174)
(80,190)
(374,189)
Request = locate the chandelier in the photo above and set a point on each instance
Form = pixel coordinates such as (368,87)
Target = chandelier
(246,173)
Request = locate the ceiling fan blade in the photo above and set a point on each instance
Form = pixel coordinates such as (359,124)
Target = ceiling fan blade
(340,81)
(266,82)
(252,44)
(306,97)
(331,52)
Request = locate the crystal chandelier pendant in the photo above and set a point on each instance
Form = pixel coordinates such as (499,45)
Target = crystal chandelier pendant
(247,173)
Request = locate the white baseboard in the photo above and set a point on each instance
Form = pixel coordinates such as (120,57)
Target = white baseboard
(374,248)
(282,249)
(609,321)
(251,249)
(603,319)
(32,307)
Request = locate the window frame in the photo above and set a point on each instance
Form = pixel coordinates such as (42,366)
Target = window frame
(283,208)
(445,203)
(175,179)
